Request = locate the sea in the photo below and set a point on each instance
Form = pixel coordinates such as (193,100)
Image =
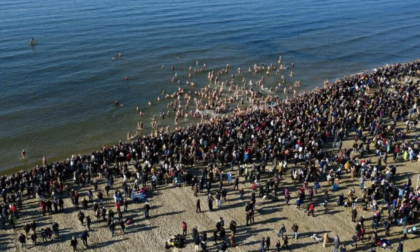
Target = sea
(57,97)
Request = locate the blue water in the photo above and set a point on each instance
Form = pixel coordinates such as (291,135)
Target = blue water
(57,97)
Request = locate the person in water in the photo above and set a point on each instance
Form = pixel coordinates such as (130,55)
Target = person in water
(23,154)
(32,42)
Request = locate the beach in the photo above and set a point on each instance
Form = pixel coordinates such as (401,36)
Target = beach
(171,204)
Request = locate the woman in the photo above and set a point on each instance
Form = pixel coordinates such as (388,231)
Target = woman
(232,240)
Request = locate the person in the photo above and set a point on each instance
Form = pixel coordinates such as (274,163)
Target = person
(223,247)
(267,243)
(210,200)
(194,231)
(32,42)
(43,235)
(122,226)
(262,245)
(81,217)
(295,229)
(23,154)
(84,237)
(33,238)
(311,209)
(184,228)
(112,228)
(88,222)
(278,245)
(353,214)
(232,226)
(282,230)
(198,206)
(146,210)
(73,243)
(336,243)
(215,236)
(232,240)
(196,243)
(400,247)
(55,229)
(22,240)
(285,242)
(222,234)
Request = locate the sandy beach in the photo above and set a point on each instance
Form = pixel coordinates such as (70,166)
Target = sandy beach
(171,205)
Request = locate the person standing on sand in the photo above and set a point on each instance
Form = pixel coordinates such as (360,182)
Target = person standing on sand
(146,210)
(353,214)
(262,245)
(282,230)
(232,240)
(22,240)
(84,237)
(196,243)
(73,243)
(210,200)
(112,228)
(295,229)
(184,228)
(285,242)
(198,206)
(267,243)
(336,243)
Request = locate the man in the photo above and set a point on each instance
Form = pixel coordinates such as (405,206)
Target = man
(198,206)
(218,199)
(146,210)
(55,229)
(210,200)
(112,228)
(282,230)
(196,243)
(22,240)
(84,237)
(295,229)
(223,248)
(194,232)
(88,221)
(336,243)
(353,214)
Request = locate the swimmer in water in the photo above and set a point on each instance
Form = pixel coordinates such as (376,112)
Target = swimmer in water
(120,55)
(158,98)
(32,42)
(23,154)
(150,104)
(116,103)
(163,67)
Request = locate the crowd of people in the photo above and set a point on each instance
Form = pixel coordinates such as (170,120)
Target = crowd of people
(293,136)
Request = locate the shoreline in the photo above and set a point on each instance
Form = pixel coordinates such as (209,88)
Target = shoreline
(62,158)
